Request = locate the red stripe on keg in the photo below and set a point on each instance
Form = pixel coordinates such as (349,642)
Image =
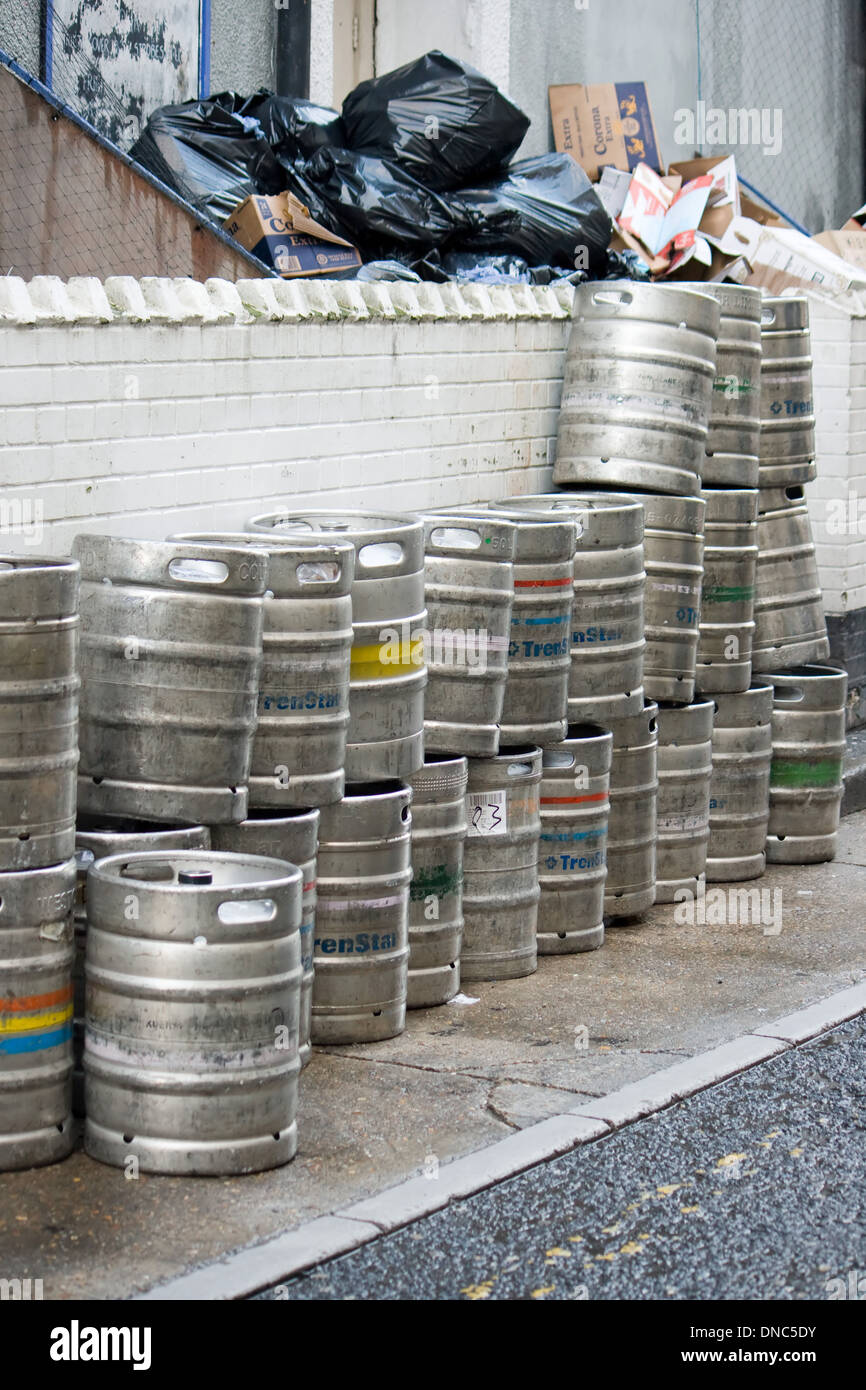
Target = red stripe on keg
(572,800)
(308,887)
(542,583)
(27,1003)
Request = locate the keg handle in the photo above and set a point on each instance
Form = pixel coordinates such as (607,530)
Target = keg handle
(380,555)
(455,538)
(318,571)
(247,910)
(161,872)
(189,570)
(612,297)
(788,694)
(768,316)
(519,769)
(552,758)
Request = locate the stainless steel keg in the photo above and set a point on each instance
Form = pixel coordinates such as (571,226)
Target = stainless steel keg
(39,687)
(806,774)
(469,590)
(193,995)
(787,404)
(436,894)
(99,837)
(607,634)
(500,865)
(789,612)
(170,657)
(631,833)
(535,704)
(299,746)
(673,554)
(733,436)
(727,627)
(36,1015)
(685,767)
(291,836)
(740,783)
(388,674)
(362,915)
(572,850)
(638,387)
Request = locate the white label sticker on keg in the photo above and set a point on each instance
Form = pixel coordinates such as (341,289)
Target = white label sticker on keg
(682,823)
(486,813)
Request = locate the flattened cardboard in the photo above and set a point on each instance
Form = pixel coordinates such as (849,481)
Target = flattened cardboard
(280,231)
(781,258)
(609,123)
(851,246)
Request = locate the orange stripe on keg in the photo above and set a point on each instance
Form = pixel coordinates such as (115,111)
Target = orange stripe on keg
(572,800)
(30,1002)
(543,583)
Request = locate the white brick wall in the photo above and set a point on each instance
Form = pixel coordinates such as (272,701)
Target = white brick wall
(145,407)
(837,498)
(181,406)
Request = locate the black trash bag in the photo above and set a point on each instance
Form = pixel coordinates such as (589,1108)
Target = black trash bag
(545,210)
(293,126)
(439,119)
(484,269)
(210,153)
(373,204)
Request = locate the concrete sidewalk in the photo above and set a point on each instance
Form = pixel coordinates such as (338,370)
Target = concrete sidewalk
(461,1077)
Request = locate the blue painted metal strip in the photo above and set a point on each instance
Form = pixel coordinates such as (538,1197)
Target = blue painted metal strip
(48,41)
(36,1042)
(204,49)
(770,204)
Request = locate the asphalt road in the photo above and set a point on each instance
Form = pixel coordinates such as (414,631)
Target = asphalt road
(754,1189)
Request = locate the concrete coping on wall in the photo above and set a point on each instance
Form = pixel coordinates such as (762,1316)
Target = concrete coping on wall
(85,300)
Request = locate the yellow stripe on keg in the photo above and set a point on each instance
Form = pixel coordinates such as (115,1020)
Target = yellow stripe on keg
(382,660)
(33,1022)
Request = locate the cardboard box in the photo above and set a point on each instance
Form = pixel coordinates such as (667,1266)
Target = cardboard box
(851,246)
(610,123)
(781,258)
(280,231)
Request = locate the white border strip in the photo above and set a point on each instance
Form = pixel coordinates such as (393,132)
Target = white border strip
(249,1270)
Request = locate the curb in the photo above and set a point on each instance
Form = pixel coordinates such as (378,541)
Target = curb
(253,1268)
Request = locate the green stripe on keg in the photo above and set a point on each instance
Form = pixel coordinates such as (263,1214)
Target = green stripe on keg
(440,881)
(729,593)
(797,772)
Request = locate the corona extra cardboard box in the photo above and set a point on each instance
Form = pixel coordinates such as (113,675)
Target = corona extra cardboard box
(610,123)
(280,231)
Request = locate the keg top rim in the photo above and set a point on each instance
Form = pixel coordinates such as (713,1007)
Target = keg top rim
(254,872)
(347,523)
(808,671)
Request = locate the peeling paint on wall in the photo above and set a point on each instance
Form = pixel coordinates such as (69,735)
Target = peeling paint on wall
(115,61)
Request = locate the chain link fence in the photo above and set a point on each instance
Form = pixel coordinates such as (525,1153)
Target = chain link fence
(781,86)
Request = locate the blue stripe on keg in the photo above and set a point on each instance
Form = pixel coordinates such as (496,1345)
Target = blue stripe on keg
(36,1042)
(541,622)
(575,835)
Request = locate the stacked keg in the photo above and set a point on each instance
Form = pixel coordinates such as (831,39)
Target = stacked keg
(190,992)
(39,693)
(498,592)
(724,656)
(808,710)
(360,941)
(640,414)
(789,617)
